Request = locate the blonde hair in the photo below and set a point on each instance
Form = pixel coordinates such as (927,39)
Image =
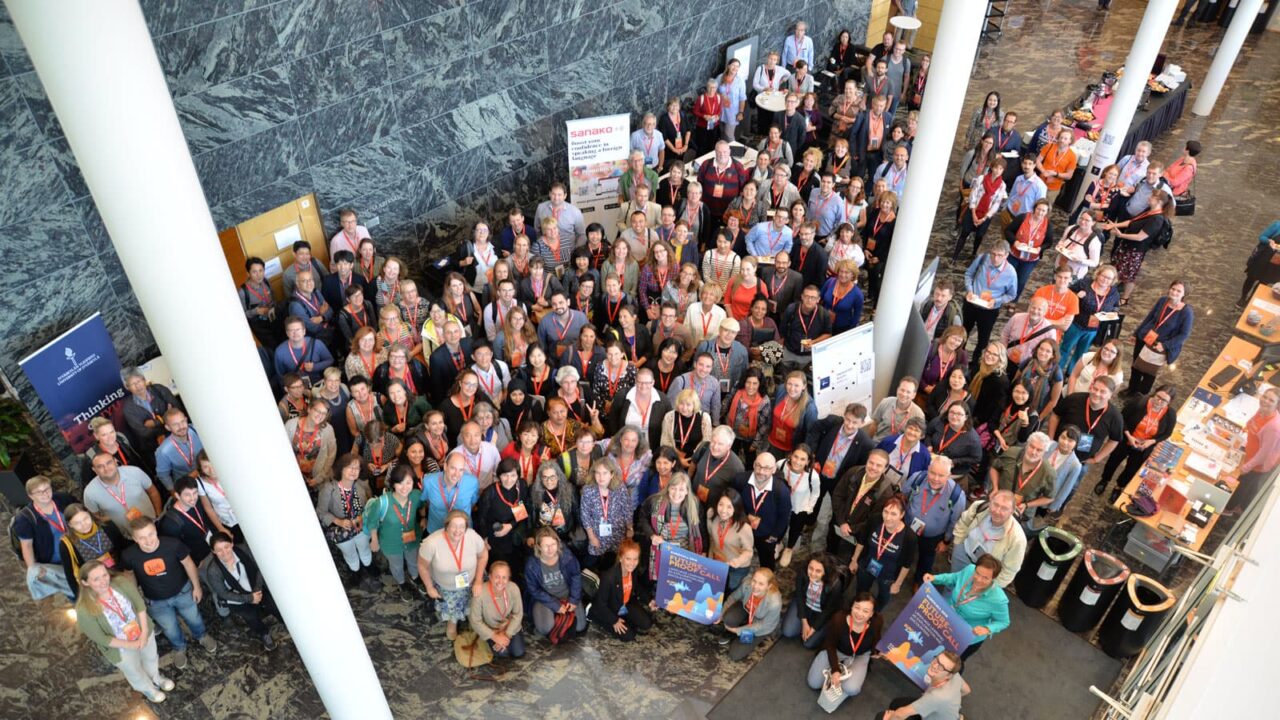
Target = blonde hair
(689,508)
(688,395)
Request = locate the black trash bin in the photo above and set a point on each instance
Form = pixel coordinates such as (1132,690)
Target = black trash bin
(1098,579)
(1048,559)
(1134,617)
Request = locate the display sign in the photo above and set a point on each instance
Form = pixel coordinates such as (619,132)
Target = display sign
(78,377)
(926,627)
(690,585)
(844,370)
(598,149)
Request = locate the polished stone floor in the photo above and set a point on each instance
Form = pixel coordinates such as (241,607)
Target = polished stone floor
(1049,51)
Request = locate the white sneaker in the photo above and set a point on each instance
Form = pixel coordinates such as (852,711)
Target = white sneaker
(165,684)
(156,696)
(786,558)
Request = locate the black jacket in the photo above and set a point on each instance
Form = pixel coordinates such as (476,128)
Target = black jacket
(608,600)
(829,601)
(223,584)
(618,417)
(136,416)
(822,435)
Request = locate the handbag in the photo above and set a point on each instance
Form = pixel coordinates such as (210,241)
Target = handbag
(832,694)
(1185,205)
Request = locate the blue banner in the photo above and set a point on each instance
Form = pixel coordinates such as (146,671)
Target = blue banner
(78,377)
(690,585)
(925,627)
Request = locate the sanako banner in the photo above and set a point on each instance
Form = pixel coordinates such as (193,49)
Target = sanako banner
(598,149)
(690,585)
(78,377)
(925,627)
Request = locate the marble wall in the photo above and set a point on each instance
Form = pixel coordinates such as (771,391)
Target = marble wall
(424,114)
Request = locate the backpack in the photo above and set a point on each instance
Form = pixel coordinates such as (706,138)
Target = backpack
(915,487)
(15,542)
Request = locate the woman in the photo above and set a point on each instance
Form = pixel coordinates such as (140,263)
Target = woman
(989,386)
(805,174)
(806,490)
(732,89)
(952,435)
(1181,173)
(519,406)
(460,405)
(745,413)
(88,541)
(336,395)
(340,507)
(554,579)
(813,603)
(897,138)
(945,353)
(1026,236)
(914,92)
(952,390)
(851,639)
(388,283)
(500,271)
(560,432)
(623,266)
(703,317)
(606,514)
(213,499)
(751,612)
(685,290)
(1017,421)
(553,503)
(1042,376)
(770,152)
(527,450)
(451,563)
(758,329)
(232,577)
(1080,248)
(502,514)
(578,275)
(842,296)
(1100,195)
(986,195)
(433,328)
(665,464)
(296,397)
(1100,296)
(403,410)
(365,355)
(671,515)
(497,614)
(743,288)
(476,257)
(461,302)
(520,257)
(535,291)
(983,119)
(654,278)
(368,263)
(585,354)
(813,114)
(878,235)
(669,365)
(612,378)
(842,54)
(977,599)
(840,164)
(536,374)
(1046,133)
(686,426)
(1103,362)
(1147,422)
(888,553)
(974,165)
(413,455)
(111,613)
(706,114)
(629,448)
(513,341)
(1140,232)
(576,460)
(433,437)
(622,606)
(673,189)
(632,337)
(313,443)
(393,522)
(794,412)
(730,539)
(1159,338)
(676,131)
(845,246)
(721,263)
(798,212)
(493,429)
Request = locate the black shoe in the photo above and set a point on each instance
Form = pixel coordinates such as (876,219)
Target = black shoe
(268,642)
(1115,495)
(1177,23)
(1100,487)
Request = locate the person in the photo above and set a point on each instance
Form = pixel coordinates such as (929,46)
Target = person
(40,527)
(843,298)
(451,564)
(568,217)
(1142,231)
(886,554)
(952,435)
(496,614)
(813,604)
(676,132)
(1181,173)
(111,613)
(606,510)
(715,465)
(622,605)
(1263,265)
(990,283)
(780,194)
(988,527)
(914,91)
(1027,190)
(723,177)
(1011,426)
(731,357)
(842,56)
(867,135)
(119,446)
(1056,163)
(187,521)
(145,408)
(707,109)
(793,413)
(751,612)
(803,324)
(729,537)
(989,385)
(314,446)
(232,576)
(946,355)
(931,519)
(685,426)
(1080,249)
(1027,235)
(1103,362)
(121,493)
(1136,196)
(340,505)
(1101,427)
(825,207)
(840,443)
(369,265)
(805,488)
(1061,305)
(456,488)
(308,304)
(553,502)
(650,142)
(303,261)
(986,197)
(891,414)
(941,699)
(1062,458)
(1159,338)
(720,263)
(86,540)
(554,580)
(403,412)
(176,454)
(169,581)
(1261,453)
(502,514)
(1009,139)
(797,47)
(393,523)
(977,599)
(849,642)
(1147,422)
(1023,472)
(1042,376)
(950,390)
(1097,296)
(701,380)
(943,312)
(983,119)
(845,244)
(516,227)
(768,506)
(348,306)
(299,354)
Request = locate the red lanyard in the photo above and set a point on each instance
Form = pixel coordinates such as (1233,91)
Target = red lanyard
(712,471)
(479,464)
(1091,425)
(752,603)
(191,448)
(706,322)
(757,498)
(503,497)
(564,329)
(883,543)
(613,380)
(806,325)
(926,506)
(967,595)
(861,635)
(504,606)
(194,520)
(315,309)
(56,520)
(1023,478)
(457,554)
(945,441)
(488,386)
(626,588)
(448,504)
(297,364)
(837,296)
(439,452)
(682,431)
(604,505)
(304,442)
(722,533)
(114,607)
(1165,313)
(404,523)
(122,498)
(263,297)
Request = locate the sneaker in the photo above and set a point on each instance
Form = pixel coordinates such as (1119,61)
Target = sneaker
(724,639)
(786,558)
(155,696)
(165,684)
(268,642)
(180,658)
(208,643)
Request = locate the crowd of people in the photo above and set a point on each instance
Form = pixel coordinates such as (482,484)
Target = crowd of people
(567,402)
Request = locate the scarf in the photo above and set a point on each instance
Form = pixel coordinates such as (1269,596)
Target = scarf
(90,546)
(990,183)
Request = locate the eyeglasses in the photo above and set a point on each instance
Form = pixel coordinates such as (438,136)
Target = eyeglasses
(938,662)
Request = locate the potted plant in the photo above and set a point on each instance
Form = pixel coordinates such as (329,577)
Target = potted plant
(15,438)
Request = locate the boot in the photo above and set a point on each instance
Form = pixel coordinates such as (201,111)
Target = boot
(371,581)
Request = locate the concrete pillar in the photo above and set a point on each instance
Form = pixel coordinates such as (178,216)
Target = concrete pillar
(1137,68)
(959,28)
(1228,50)
(100,71)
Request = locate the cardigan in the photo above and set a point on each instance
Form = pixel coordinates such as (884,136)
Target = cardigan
(828,602)
(222,582)
(487,617)
(989,610)
(1172,333)
(95,626)
(768,614)
(1009,550)
(774,510)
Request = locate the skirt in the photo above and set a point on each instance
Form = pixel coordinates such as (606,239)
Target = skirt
(453,604)
(1129,263)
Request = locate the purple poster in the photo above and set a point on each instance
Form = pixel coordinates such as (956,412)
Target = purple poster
(925,627)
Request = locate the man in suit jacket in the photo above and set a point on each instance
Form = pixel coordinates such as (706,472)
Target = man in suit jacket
(868,134)
(841,443)
(448,360)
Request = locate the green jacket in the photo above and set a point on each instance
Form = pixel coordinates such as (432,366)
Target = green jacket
(94,625)
(990,609)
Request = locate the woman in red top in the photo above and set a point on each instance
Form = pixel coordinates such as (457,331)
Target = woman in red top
(742,290)
(1147,420)
(527,450)
(1182,172)
(1026,236)
(793,412)
(1261,452)
(706,112)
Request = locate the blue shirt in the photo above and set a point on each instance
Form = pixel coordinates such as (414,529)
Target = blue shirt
(790,53)
(848,312)
(895,178)
(1271,233)
(942,513)
(829,212)
(765,240)
(736,94)
(175,459)
(1024,194)
(440,499)
(651,148)
(982,278)
(289,359)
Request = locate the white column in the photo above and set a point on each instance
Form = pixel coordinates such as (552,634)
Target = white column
(958,31)
(100,71)
(1137,68)
(1232,41)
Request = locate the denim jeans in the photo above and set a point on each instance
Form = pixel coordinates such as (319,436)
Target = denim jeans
(165,613)
(54,581)
(1063,494)
(1023,269)
(1075,343)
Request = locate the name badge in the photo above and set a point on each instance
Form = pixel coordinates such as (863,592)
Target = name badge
(724,386)
(132,514)
(557,519)
(132,631)
(917,526)
(1150,338)
(461,581)
(1085,444)
(717,190)
(606,529)
(874,567)
(747,636)
(108,561)
(829,468)
(408,536)
(519,513)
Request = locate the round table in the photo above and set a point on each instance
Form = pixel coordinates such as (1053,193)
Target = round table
(772,100)
(905,24)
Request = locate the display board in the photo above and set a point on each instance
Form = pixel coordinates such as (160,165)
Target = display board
(690,585)
(77,375)
(926,627)
(598,149)
(844,370)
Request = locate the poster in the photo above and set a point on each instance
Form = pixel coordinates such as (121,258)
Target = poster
(843,370)
(78,377)
(598,149)
(690,585)
(925,627)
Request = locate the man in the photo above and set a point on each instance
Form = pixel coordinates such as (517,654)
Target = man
(882,50)
(868,134)
(309,305)
(894,173)
(825,206)
(797,46)
(480,456)
(1140,196)
(721,179)
(1133,168)
(768,77)
(990,283)
(568,217)
(1101,428)
(778,195)
(334,286)
(715,465)
(186,520)
(649,143)
(257,297)
(793,123)
(236,583)
(639,174)
(1027,190)
(168,579)
(302,262)
(941,699)
(891,414)
(802,325)
(878,84)
(668,326)
(1061,304)
(516,226)
(944,310)
(447,361)
(767,239)
(907,454)
(122,494)
(349,235)
(783,284)
(414,311)
(497,613)
(856,502)
(643,407)
(39,528)
(356,313)
(176,456)
(701,380)
(989,527)
(1008,139)
(638,236)
(840,443)
(495,313)
(730,357)
(1025,472)
(107,440)
(299,354)
(768,505)
(666,224)
(1025,330)
(844,111)
(1056,163)
(898,70)
(145,408)
(934,504)
(452,489)
(559,330)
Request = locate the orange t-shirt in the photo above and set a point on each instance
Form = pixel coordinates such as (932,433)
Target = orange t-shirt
(738,299)
(1059,162)
(1059,306)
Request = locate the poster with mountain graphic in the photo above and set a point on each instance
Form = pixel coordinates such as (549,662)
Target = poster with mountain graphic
(690,585)
(925,627)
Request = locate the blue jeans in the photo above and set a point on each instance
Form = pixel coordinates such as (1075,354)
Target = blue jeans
(165,613)
(1063,494)
(1075,343)
(1023,270)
